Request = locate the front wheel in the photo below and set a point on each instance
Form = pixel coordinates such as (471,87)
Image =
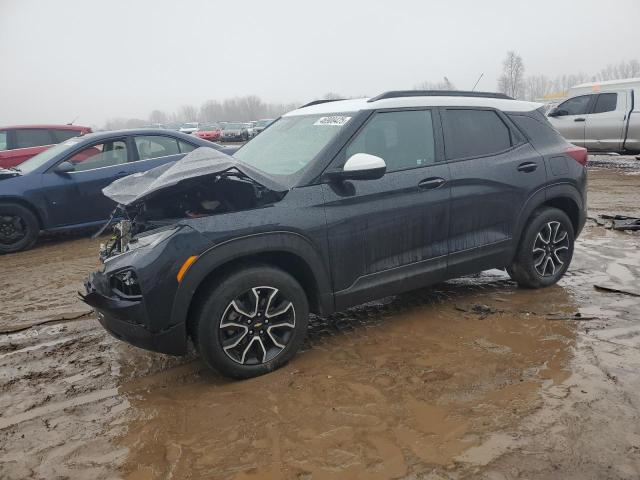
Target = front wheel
(18,228)
(252,322)
(545,250)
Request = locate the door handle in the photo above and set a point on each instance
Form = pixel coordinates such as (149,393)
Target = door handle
(121,174)
(578,119)
(527,167)
(431,183)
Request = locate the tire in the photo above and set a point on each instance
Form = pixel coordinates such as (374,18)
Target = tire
(242,301)
(545,252)
(19,228)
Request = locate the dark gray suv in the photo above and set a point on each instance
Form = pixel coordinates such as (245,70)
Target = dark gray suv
(335,204)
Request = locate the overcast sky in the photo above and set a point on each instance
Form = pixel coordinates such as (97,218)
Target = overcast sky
(97,60)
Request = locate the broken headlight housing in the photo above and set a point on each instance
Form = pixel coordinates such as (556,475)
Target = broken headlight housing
(123,241)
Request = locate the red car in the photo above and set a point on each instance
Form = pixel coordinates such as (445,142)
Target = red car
(208,132)
(20,143)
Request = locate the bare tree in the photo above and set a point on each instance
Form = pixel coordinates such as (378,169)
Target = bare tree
(158,116)
(511,82)
(332,96)
(187,113)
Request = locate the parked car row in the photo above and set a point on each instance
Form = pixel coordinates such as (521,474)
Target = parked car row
(227,131)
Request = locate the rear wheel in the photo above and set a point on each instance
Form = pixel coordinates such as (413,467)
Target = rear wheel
(252,322)
(545,250)
(18,228)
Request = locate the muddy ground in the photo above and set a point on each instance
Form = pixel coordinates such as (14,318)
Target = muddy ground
(473,378)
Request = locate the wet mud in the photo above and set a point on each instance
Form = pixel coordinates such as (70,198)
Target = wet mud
(473,378)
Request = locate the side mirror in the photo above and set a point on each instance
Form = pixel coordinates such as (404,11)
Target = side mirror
(557,112)
(64,167)
(360,166)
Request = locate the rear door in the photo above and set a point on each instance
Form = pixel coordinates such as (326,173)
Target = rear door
(605,124)
(571,123)
(493,173)
(390,234)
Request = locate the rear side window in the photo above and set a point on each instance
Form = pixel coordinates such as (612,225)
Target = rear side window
(606,102)
(61,135)
(471,133)
(154,146)
(576,105)
(402,139)
(32,137)
(3,140)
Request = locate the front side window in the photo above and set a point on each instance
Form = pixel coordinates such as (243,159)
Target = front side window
(288,145)
(60,135)
(576,105)
(107,154)
(606,102)
(32,137)
(402,139)
(154,146)
(3,140)
(472,133)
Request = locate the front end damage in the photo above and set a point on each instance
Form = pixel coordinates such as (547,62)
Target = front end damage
(159,213)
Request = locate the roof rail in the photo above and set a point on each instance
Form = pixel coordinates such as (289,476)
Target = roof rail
(438,93)
(318,102)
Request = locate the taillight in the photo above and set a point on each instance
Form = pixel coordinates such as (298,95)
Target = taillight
(579,154)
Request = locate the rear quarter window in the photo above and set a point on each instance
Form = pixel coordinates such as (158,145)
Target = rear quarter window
(537,129)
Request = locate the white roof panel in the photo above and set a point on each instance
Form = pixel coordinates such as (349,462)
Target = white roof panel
(355,105)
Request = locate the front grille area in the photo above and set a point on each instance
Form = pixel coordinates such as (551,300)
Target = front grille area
(125,284)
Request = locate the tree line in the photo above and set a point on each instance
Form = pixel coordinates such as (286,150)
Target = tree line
(512,82)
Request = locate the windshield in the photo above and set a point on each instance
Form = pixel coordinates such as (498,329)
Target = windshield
(233,126)
(288,145)
(43,157)
(263,123)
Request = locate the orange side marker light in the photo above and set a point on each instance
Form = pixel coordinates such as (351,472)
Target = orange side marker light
(185,266)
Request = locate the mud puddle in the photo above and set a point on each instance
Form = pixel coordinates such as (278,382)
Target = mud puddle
(385,391)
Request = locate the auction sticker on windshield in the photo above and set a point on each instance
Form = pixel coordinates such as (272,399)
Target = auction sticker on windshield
(334,120)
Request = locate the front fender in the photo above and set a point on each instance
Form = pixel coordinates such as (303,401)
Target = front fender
(225,252)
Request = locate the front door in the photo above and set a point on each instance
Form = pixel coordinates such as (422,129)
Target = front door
(389,235)
(572,118)
(76,197)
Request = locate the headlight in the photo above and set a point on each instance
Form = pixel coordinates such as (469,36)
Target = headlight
(152,239)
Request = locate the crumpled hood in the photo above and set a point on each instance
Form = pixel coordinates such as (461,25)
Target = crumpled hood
(201,162)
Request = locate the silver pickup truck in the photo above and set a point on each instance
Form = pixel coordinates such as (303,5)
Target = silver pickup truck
(603,117)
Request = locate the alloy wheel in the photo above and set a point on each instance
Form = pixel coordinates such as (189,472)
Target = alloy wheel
(257,326)
(550,249)
(12,229)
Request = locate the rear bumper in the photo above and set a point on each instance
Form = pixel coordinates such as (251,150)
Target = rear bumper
(126,319)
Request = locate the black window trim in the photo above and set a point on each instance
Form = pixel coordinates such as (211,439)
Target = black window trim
(511,127)
(339,159)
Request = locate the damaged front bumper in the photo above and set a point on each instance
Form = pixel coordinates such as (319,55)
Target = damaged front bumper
(126,318)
